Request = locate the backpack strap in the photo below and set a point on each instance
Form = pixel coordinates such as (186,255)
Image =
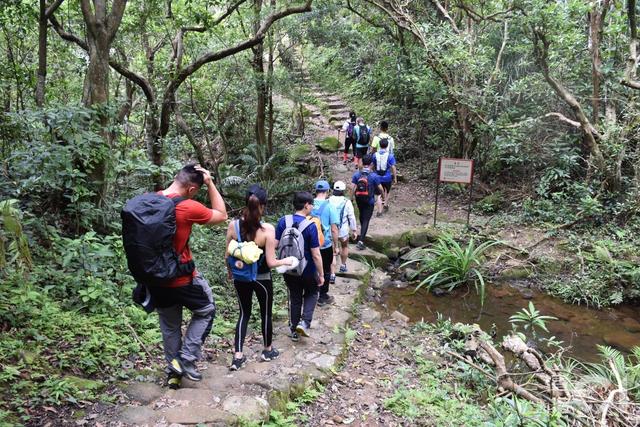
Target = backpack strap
(177,200)
(304,224)
(344,205)
(288,221)
(236,225)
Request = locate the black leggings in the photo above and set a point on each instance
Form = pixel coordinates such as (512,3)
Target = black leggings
(366,212)
(349,142)
(264,292)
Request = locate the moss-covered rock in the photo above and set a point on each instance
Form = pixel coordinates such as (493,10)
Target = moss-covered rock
(330,144)
(513,273)
(84,384)
(372,257)
(422,236)
(298,152)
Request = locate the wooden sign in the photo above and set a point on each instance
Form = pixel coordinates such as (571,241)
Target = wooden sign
(455,170)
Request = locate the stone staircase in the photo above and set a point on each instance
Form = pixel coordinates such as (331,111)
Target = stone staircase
(336,108)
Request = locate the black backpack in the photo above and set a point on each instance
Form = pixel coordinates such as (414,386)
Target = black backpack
(363,195)
(148,229)
(363,137)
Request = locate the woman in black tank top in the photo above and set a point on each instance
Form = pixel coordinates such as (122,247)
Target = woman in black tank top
(263,234)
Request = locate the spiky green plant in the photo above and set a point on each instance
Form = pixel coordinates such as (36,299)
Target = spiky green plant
(450,265)
(531,318)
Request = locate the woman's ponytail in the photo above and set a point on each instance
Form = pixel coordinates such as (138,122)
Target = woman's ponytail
(251,218)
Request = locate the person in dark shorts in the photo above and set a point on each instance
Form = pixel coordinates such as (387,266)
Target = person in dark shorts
(191,291)
(253,230)
(362,137)
(349,141)
(384,163)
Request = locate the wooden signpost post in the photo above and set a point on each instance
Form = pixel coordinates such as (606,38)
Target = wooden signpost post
(454,171)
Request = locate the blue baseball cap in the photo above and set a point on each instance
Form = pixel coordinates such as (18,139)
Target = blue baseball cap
(322,185)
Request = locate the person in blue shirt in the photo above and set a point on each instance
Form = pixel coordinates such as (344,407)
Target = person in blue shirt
(384,163)
(330,219)
(364,184)
(303,290)
(362,136)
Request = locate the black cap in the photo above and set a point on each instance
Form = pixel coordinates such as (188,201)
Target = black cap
(257,191)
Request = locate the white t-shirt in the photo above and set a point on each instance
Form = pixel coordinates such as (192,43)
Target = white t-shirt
(348,218)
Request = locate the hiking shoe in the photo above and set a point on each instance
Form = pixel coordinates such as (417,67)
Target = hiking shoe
(236,364)
(324,301)
(343,268)
(386,208)
(173,381)
(175,366)
(360,246)
(302,329)
(294,336)
(332,279)
(378,214)
(190,370)
(268,355)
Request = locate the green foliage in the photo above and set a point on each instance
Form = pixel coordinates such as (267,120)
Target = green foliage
(531,319)
(450,265)
(433,399)
(13,241)
(516,412)
(616,370)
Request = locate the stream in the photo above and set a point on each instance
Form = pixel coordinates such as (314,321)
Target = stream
(580,328)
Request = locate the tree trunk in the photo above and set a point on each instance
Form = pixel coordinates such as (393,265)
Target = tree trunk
(464,128)
(43,21)
(261,87)
(270,113)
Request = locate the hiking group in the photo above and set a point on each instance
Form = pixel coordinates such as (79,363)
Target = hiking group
(375,166)
(156,228)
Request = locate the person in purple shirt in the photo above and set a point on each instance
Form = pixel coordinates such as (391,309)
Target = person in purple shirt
(364,185)
(384,163)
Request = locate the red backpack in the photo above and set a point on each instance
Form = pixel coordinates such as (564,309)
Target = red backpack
(362,188)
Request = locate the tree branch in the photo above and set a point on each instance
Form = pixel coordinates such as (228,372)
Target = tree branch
(51,9)
(229,11)
(371,21)
(208,57)
(629,79)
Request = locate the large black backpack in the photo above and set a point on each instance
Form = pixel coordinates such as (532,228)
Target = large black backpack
(148,229)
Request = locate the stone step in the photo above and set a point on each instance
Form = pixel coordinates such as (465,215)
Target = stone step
(337,106)
(369,256)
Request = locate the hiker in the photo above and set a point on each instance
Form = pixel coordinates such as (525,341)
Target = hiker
(375,144)
(254,277)
(296,235)
(349,128)
(364,185)
(384,163)
(186,288)
(347,223)
(330,222)
(362,138)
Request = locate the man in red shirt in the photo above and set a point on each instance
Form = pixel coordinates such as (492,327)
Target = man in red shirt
(191,291)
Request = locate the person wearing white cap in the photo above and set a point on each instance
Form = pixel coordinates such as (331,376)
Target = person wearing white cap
(347,222)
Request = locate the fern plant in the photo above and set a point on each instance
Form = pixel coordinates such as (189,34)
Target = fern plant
(450,265)
(13,242)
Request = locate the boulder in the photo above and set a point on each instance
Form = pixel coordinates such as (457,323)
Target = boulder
(298,152)
(84,384)
(248,407)
(329,144)
(144,392)
(399,317)
(422,236)
(372,257)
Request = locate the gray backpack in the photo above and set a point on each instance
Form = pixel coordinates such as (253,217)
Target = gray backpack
(292,244)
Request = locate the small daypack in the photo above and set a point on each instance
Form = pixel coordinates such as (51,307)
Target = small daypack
(382,162)
(292,244)
(148,230)
(363,135)
(241,270)
(362,188)
(316,218)
(350,130)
